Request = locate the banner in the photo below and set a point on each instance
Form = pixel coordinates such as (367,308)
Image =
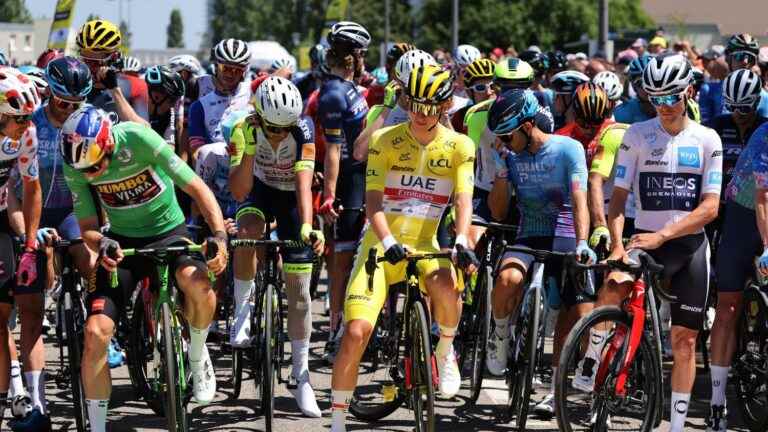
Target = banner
(336,11)
(62,18)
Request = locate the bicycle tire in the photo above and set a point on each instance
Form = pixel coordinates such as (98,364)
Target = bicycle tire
(646,359)
(176,413)
(237,372)
(481,326)
(266,367)
(73,320)
(140,349)
(317,269)
(523,367)
(422,385)
(653,312)
(751,357)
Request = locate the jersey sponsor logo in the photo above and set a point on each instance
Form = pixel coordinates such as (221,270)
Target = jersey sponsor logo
(621,171)
(397,141)
(132,191)
(124,155)
(402,168)
(715,178)
(688,157)
(656,163)
(405,157)
(717,153)
(650,137)
(371,173)
(667,191)
(425,183)
(732,151)
(624,147)
(657,152)
(11,147)
(440,163)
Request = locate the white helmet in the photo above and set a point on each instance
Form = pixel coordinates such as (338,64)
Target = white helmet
(349,33)
(611,83)
(283,62)
(410,61)
(667,74)
(185,62)
(131,64)
(465,55)
(18,94)
(742,87)
(232,51)
(278,101)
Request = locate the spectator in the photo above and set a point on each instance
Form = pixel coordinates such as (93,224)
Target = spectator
(511,51)
(639,46)
(497,54)
(657,45)
(594,67)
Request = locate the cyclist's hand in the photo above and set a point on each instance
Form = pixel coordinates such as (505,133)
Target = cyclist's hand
(27,271)
(108,77)
(465,259)
(47,236)
(218,263)
(231,226)
(762,263)
(646,241)
(597,234)
(110,254)
(315,238)
(584,253)
(390,94)
(618,255)
(395,253)
(327,210)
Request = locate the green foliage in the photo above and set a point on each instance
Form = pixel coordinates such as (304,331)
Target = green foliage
(14,11)
(175,30)
(91,17)
(371,16)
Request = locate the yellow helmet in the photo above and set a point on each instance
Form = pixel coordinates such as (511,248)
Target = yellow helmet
(428,87)
(99,35)
(479,69)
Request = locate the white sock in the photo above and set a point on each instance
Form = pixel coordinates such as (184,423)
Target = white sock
(502,327)
(36,388)
(97,414)
(552,384)
(446,340)
(300,356)
(719,383)
(243,290)
(597,340)
(17,384)
(339,405)
(197,339)
(679,408)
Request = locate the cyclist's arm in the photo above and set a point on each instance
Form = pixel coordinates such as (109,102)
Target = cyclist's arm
(761,213)
(305,168)
(125,111)
(361,143)
(596,200)
(577,178)
(331,169)
(85,208)
(32,198)
(616,218)
(15,216)
(331,109)
(374,210)
(375,181)
(626,166)
(498,198)
(464,181)
(196,131)
(206,203)
(240,164)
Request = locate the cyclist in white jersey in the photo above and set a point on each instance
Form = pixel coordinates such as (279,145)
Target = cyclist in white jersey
(674,167)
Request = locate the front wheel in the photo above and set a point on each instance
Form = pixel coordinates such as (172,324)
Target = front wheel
(73,323)
(140,352)
(751,360)
(478,334)
(522,364)
(422,370)
(175,407)
(266,346)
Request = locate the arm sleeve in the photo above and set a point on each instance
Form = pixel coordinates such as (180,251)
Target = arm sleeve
(197,122)
(713,164)
(236,146)
(331,112)
(158,153)
(28,167)
(608,146)
(378,165)
(82,199)
(577,166)
(464,161)
(304,134)
(626,161)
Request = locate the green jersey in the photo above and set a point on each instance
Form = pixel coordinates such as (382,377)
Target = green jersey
(136,191)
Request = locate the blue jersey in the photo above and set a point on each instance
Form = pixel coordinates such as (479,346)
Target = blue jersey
(342,110)
(751,167)
(56,194)
(543,183)
(733,141)
(711,100)
(630,112)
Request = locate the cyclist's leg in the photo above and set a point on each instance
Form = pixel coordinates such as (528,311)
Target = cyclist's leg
(361,309)
(7,282)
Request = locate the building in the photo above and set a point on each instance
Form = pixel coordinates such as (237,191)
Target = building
(22,43)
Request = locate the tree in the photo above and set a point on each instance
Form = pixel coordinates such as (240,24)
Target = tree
(92,17)
(175,30)
(125,32)
(371,16)
(15,11)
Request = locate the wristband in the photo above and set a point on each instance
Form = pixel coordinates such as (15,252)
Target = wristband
(461,239)
(388,242)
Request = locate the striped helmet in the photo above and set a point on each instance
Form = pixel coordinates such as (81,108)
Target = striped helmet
(232,51)
(428,87)
(479,69)
(667,74)
(590,103)
(99,35)
(742,87)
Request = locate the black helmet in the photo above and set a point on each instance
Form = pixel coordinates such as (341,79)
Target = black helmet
(538,61)
(742,42)
(557,61)
(163,79)
(317,54)
(68,76)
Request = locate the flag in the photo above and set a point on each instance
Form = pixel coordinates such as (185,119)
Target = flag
(62,18)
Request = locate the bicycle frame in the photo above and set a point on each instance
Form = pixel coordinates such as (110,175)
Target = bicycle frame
(413,295)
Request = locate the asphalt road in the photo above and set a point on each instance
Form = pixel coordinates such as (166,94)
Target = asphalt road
(237,415)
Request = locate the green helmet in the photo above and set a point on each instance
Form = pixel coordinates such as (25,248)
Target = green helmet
(513,72)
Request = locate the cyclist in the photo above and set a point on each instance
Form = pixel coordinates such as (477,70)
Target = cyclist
(196,84)
(285,64)
(271,174)
(312,81)
(342,110)
(47,56)
(563,85)
(463,56)
(611,83)
(427,162)
(231,58)
(539,61)
(99,42)
(674,167)
(639,108)
(740,241)
(166,104)
(18,149)
(131,171)
(478,77)
(549,176)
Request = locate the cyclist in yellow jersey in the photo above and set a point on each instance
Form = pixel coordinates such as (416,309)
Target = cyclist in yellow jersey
(413,169)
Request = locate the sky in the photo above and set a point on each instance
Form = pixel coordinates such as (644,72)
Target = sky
(148,19)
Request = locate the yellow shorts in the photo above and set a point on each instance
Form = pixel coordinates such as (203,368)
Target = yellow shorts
(365,304)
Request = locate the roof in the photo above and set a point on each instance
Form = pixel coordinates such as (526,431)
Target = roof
(732,17)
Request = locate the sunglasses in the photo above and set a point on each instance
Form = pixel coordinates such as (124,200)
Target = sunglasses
(103,61)
(93,169)
(67,104)
(231,69)
(274,129)
(480,88)
(21,119)
(741,109)
(426,109)
(668,100)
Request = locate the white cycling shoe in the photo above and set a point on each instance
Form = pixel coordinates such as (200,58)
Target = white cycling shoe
(302,391)
(496,358)
(203,378)
(240,332)
(448,372)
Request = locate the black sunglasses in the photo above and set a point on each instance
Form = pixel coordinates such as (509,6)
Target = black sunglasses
(21,119)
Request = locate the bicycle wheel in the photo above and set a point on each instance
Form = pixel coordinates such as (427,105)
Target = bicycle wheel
(751,360)
(523,361)
(140,353)
(73,323)
(602,409)
(380,387)
(422,370)
(481,325)
(175,407)
(265,367)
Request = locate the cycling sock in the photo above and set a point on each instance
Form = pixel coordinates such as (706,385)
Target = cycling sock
(97,414)
(243,290)
(197,339)
(446,340)
(36,388)
(298,277)
(719,383)
(502,327)
(299,357)
(17,384)
(679,408)
(339,405)
(596,342)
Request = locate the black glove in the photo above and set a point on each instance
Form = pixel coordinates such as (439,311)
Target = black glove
(110,78)
(108,247)
(215,244)
(395,253)
(466,257)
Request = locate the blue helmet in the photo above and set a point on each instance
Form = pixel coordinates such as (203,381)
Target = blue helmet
(637,66)
(511,109)
(380,75)
(68,76)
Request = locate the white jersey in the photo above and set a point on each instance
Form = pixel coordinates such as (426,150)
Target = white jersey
(205,115)
(668,174)
(205,85)
(21,154)
(213,168)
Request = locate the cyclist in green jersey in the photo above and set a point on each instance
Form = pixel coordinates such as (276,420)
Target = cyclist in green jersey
(129,171)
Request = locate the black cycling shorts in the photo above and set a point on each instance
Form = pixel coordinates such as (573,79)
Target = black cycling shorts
(480,209)
(104,299)
(739,245)
(8,250)
(350,190)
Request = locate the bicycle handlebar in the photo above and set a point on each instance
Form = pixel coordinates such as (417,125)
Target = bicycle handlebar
(253,243)
(371,264)
(62,244)
(192,248)
(494,225)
